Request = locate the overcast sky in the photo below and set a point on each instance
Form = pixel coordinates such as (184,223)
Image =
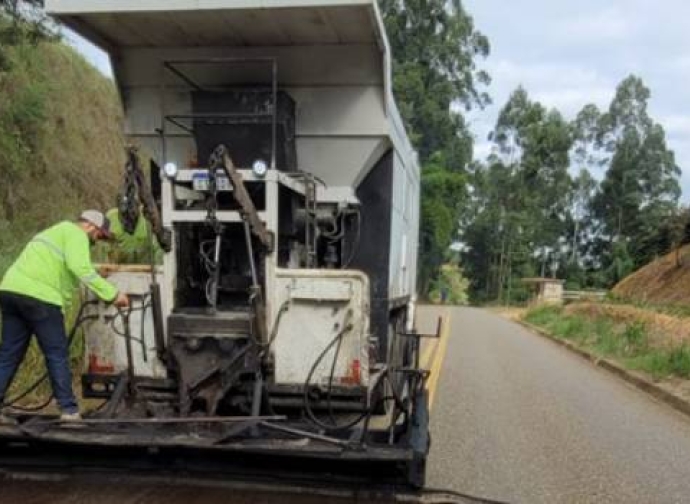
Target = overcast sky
(569,53)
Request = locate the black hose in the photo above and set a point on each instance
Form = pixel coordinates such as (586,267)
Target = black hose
(80,319)
(306,399)
(276,323)
(366,415)
(123,333)
(441,496)
(77,324)
(329,396)
(334,427)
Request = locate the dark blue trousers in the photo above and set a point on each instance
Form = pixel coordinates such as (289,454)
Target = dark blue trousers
(23,317)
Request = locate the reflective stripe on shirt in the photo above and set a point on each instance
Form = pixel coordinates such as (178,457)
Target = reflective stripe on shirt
(90,278)
(51,246)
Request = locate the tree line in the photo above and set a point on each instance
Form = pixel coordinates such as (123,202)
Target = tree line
(587,200)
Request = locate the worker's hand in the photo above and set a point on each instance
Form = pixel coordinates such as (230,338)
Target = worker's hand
(105,270)
(121,301)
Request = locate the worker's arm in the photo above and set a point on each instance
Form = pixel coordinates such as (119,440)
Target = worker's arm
(78,258)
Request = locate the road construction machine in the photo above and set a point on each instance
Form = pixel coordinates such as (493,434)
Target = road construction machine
(277,338)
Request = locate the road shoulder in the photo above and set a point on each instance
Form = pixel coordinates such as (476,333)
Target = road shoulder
(636,379)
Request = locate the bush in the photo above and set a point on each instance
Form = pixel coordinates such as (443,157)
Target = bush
(679,361)
(451,286)
(543,315)
(635,336)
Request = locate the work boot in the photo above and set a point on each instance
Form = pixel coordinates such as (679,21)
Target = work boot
(70,417)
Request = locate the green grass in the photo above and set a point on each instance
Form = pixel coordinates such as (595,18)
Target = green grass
(61,147)
(625,343)
(61,151)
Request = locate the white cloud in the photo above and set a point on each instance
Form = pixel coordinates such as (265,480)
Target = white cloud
(483,149)
(94,55)
(605,25)
(676,125)
(554,73)
(677,63)
(568,53)
(567,87)
(571,100)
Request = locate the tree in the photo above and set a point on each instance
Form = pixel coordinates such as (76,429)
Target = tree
(27,22)
(523,199)
(675,232)
(538,141)
(580,203)
(451,286)
(621,264)
(640,189)
(435,47)
(444,196)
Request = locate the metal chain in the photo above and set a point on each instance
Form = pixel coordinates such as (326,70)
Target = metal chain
(128,200)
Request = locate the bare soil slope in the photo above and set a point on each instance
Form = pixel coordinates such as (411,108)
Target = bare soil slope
(660,282)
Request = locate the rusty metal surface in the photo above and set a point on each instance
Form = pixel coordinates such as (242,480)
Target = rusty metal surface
(31,488)
(97,438)
(69,493)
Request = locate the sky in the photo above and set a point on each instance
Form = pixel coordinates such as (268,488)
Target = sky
(569,53)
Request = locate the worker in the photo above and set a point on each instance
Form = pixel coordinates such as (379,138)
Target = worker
(135,248)
(35,291)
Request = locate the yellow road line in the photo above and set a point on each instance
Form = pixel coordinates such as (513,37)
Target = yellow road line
(425,358)
(439,356)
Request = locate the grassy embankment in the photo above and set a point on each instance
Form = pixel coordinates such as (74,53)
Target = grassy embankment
(639,339)
(644,325)
(60,151)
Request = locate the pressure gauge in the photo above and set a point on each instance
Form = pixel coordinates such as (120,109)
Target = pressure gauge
(260,168)
(170,170)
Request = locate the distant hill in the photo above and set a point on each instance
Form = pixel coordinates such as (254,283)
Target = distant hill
(660,282)
(61,147)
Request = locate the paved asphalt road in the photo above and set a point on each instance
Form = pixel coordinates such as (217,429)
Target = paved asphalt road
(520,419)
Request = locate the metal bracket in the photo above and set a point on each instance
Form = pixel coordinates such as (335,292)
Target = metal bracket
(220,159)
(436,335)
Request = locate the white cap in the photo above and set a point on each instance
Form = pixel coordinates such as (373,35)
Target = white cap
(97,219)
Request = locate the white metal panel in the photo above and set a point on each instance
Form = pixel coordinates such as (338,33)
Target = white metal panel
(225,23)
(62,7)
(404,227)
(142,107)
(341,110)
(319,306)
(321,111)
(298,66)
(105,343)
(340,161)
